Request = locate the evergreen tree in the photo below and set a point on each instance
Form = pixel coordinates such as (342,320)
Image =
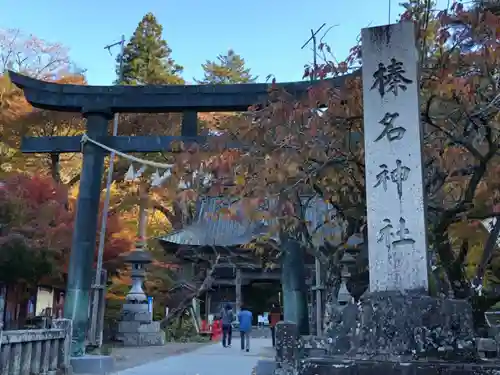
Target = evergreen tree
(146,57)
(229,68)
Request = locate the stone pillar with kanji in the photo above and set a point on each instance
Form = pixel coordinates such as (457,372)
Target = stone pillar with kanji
(397,317)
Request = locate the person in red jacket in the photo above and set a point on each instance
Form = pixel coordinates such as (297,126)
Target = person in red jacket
(274,317)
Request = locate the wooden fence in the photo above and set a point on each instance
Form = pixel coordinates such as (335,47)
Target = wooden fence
(36,351)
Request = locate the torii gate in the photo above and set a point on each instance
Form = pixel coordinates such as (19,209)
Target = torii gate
(98,105)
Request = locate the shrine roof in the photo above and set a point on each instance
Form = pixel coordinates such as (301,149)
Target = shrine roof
(153,98)
(211,229)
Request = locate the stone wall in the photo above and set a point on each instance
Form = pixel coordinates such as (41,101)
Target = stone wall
(37,351)
(309,355)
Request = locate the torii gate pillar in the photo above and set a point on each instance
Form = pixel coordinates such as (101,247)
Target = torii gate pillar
(77,299)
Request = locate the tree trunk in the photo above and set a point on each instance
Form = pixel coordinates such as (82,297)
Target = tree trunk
(143,214)
(55,167)
(489,247)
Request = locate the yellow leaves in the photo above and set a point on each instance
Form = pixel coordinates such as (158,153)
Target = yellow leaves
(250,246)
(239,180)
(6,167)
(270,265)
(429,32)
(447,188)
(446,90)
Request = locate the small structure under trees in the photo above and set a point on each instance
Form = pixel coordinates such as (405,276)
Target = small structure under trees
(225,254)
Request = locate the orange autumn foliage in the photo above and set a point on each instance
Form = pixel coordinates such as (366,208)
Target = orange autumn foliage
(292,147)
(36,209)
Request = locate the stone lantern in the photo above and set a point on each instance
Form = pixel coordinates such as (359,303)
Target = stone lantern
(136,299)
(136,326)
(348,262)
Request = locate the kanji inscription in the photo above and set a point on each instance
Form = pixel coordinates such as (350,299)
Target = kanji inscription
(390,78)
(398,175)
(391,132)
(389,237)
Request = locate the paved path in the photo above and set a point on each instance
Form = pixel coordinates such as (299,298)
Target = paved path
(208,360)
(128,357)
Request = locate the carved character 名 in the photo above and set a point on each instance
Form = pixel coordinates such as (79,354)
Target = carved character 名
(390,131)
(390,78)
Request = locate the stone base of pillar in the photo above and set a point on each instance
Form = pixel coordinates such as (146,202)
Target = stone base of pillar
(135,313)
(136,327)
(333,366)
(92,364)
(390,325)
(387,333)
(133,333)
(142,339)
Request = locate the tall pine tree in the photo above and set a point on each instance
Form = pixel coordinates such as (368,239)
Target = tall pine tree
(229,68)
(146,57)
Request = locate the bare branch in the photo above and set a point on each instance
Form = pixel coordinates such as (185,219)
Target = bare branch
(186,301)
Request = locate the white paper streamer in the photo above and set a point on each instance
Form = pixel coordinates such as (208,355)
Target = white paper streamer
(156,178)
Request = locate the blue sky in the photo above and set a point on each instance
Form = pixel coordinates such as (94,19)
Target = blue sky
(267,33)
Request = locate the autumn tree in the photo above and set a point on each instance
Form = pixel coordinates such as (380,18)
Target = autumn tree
(35,227)
(229,68)
(293,148)
(44,60)
(37,224)
(147,57)
(24,121)
(18,119)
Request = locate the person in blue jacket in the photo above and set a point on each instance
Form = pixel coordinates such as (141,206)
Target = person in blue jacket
(245,319)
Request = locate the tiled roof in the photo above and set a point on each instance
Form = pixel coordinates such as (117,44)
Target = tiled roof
(211,229)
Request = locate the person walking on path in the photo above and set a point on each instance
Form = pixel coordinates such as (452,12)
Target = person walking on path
(245,319)
(227,318)
(274,317)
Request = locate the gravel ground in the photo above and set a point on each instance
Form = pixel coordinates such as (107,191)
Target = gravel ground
(126,358)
